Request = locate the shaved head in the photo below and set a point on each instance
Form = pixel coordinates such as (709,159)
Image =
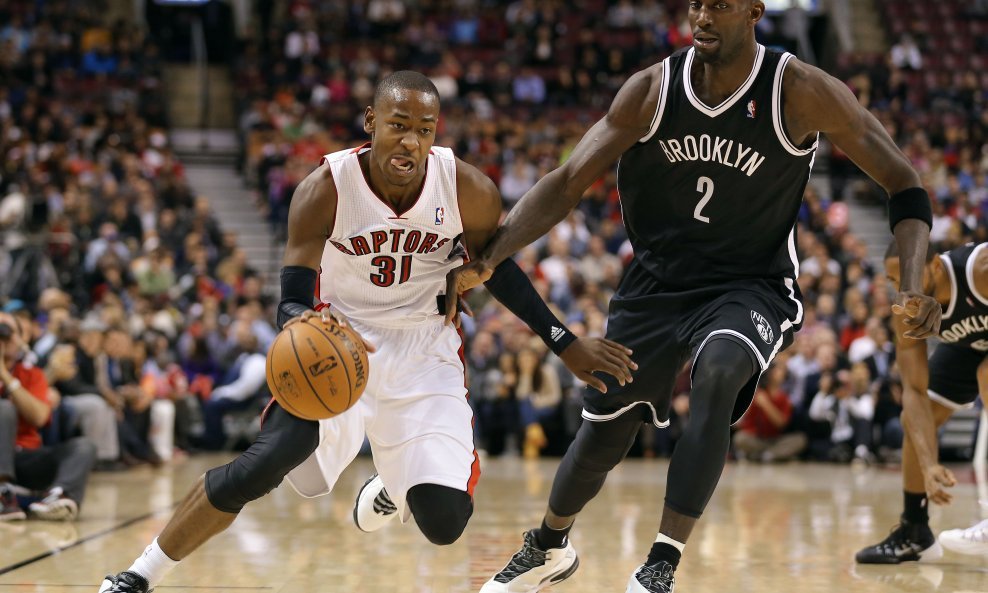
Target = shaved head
(403,80)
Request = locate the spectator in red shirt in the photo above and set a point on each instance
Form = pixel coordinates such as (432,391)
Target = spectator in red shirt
(60,471)
(761,431)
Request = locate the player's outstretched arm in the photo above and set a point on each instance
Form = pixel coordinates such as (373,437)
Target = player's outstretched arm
(917,413)
(480,208)
(556,194)
(818,102)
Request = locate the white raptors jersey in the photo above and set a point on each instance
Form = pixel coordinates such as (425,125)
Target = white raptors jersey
(387,268)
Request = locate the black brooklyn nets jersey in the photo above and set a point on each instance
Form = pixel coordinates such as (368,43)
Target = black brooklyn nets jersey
(965,322)
(711,193)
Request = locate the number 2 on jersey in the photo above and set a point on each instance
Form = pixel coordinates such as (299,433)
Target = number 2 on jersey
(386,265)
(705,186)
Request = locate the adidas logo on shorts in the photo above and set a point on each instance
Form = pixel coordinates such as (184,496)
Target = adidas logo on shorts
(556,333)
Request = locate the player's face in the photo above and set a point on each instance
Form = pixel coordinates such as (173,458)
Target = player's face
(721,27)
(402,128)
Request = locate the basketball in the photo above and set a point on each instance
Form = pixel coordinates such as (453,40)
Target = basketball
(317,370)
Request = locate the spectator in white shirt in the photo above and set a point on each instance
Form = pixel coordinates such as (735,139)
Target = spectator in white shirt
(846,402)
(243,380)
(906,54)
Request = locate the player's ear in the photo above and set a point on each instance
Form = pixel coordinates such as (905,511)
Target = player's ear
(757,11)
(369,120)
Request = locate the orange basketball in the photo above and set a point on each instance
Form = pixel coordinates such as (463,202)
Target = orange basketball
(317,369)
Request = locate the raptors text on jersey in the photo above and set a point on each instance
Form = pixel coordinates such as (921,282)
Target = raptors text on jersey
(385,267)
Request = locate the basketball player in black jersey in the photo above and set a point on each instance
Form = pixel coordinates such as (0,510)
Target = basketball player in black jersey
(715,147)
(932,390)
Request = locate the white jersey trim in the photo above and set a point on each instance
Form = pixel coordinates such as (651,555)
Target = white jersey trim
(730,332)
(969,270)
(790,283)
(605,417)
(947,403)
(777,115)
(953,285)
(728,102)
(660,106)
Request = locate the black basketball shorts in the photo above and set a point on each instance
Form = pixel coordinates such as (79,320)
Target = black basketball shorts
(667,329)
(954,375)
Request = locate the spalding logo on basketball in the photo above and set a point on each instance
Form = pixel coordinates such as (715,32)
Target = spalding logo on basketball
(317,369)
(764,329)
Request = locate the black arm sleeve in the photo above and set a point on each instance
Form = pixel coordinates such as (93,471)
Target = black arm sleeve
(298,290)
(511,286)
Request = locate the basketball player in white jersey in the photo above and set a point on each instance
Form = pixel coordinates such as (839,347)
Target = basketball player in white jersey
(385,223)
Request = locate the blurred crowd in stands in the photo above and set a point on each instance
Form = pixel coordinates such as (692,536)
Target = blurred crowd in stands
(132,319)
(139,323)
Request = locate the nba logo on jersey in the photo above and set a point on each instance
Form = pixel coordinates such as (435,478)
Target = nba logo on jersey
(440,214)
(751,109)
(761,324)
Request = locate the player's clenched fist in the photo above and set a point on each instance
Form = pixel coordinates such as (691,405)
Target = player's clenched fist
(922,314)
(462,279)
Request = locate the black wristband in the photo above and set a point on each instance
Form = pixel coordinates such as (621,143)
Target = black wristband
(910,203)
(298,290)
(510,285)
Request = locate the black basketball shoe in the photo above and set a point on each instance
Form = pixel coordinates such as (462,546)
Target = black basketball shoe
(908,542)
(532,569)
(653,578)
(125,582)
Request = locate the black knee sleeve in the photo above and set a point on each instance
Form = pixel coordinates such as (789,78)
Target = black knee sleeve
(597,448)
(440,512)
(285,441)
(722,370)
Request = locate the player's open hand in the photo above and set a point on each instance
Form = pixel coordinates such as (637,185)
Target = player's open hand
(586,355)
(327,318)
(922,314)
(460,280)
(937,479)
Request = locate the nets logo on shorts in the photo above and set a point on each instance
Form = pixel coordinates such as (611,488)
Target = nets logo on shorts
(764,329)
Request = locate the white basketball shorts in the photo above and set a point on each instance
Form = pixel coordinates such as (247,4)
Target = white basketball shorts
(414,412)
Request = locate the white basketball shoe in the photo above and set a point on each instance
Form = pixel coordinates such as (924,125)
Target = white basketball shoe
(973,540)
(373,508)
(532,569)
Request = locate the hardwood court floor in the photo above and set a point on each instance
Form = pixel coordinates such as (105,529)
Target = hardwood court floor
(769,529)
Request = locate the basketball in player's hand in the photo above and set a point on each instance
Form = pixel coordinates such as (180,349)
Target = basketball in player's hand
(317,369)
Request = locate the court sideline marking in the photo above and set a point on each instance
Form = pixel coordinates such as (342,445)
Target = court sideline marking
(80,541)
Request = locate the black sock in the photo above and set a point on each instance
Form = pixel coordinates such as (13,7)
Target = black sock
(664,551)
(914,506)
(547,537)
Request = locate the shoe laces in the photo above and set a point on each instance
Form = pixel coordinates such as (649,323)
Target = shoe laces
(524,560)
(657,578)
(977,533)
(898,538)
(383,505)
(53,495)
(129,583)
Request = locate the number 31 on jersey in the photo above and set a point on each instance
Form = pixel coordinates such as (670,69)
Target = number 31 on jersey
(386,266)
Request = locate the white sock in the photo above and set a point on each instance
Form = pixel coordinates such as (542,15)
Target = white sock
(665,539)
(153,564)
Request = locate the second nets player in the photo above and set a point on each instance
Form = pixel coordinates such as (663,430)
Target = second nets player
(715,146)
